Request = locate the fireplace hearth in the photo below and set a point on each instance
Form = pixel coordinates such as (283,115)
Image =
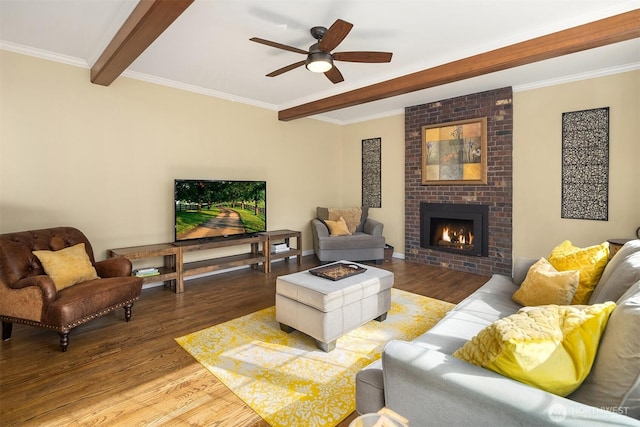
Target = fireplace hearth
(457,228)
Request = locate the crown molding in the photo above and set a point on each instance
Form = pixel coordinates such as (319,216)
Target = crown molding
(43,54)
(198,89)
(577,77)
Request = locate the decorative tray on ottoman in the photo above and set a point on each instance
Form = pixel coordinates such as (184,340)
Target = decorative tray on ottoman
(338,271)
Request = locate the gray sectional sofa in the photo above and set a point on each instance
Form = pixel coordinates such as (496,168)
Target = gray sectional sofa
(423,382)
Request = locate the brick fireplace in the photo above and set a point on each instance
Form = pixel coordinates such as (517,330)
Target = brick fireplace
(493,255)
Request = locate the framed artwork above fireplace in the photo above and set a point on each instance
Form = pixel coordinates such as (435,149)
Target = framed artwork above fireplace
(455,153)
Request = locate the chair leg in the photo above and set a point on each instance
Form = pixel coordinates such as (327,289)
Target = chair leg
(127,312)
(7,328)
(64,340)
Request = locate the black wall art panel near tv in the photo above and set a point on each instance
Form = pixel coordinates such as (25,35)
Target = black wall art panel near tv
(371,172)
(585,164)
(218,209)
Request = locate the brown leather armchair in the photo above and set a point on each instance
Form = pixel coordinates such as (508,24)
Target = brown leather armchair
(29,296)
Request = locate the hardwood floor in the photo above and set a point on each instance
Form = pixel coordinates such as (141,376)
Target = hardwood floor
(135,374)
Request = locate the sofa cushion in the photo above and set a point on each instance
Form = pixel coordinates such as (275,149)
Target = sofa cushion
(354,241)
(84,300)
(545,285)
(337,228)
(590,262)
(67,266)
(620,273)
(550,347)
(614,381)
(486,305)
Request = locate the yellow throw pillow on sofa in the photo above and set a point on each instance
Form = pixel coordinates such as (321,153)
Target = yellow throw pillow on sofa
(68,266)
(337,228)
(545,285)
(549,347)
(590,262)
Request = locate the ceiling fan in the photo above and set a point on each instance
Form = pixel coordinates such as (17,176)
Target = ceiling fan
(319,56)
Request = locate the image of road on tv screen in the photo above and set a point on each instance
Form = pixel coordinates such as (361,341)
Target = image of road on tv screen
(206,209)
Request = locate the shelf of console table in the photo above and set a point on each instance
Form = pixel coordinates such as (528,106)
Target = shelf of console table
(175,269)
(255,257)
(279,236)
(169,272)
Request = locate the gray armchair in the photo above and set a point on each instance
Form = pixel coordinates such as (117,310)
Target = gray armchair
(365,243)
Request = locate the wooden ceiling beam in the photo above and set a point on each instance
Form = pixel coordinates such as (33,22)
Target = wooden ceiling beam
(147,21)
(625,26)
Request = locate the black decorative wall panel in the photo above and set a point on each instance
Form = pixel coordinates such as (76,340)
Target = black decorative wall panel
(371,174)
(585,164)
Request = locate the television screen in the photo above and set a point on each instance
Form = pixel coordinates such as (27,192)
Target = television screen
(207,209)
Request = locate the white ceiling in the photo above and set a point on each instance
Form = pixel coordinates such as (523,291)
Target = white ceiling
(207,49)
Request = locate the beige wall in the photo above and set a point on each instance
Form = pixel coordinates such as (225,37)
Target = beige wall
(537,165)
(104,159)
(391,214)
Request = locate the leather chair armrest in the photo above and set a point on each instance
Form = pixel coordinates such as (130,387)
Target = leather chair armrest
(113,267)
(373,227)
(44,282)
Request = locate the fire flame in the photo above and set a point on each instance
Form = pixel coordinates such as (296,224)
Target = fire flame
(450,236)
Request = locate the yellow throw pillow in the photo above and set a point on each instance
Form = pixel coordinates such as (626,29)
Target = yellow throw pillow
(545,285)
(337,228)
(590,262)
(351,216)
(68,266)
(549,347)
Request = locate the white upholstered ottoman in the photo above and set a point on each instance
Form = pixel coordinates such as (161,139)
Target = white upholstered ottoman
(326,309)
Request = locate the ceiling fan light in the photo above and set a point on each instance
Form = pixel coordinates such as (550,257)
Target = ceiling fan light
(319,62)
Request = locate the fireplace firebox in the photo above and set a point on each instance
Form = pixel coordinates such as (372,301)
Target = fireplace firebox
(456,228)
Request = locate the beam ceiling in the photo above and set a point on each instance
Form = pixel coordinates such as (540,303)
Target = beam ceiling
(147,21)
(606,31)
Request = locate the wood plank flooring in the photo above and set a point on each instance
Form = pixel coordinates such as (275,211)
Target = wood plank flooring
(135,374)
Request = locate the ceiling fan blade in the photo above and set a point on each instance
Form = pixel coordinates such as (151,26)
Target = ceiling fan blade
(334,75)
(371,57)
(278,45)
(334,35)
(285,69)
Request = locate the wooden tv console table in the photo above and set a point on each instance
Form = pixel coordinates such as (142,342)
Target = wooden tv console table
(174,269)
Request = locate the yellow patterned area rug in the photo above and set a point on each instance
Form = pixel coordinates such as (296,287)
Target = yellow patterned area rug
(285,378)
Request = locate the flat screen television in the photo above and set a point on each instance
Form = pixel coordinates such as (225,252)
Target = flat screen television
(218,209)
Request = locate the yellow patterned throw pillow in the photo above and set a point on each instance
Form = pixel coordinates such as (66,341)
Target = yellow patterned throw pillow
(549,347)
(545,285)
(590,262)
(68,266)
(337,228)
